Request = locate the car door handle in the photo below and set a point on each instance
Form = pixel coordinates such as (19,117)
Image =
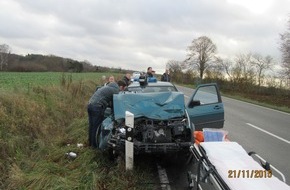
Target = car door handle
(217,107)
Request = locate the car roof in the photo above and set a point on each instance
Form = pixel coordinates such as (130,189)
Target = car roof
(155,87)
(158,83)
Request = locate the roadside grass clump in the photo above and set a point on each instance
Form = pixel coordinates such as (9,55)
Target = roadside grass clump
(38,128)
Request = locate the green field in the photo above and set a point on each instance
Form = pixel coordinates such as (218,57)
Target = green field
(27,80)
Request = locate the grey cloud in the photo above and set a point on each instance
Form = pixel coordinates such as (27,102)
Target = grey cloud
(136,34)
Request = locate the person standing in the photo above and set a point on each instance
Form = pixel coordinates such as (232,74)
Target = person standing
(127,79)
(99,101)
(149,72)
(111,79)
(165,77)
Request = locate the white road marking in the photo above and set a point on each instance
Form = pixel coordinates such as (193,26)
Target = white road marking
(273,135)
(163,178)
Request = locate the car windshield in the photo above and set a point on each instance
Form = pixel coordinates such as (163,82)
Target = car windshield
(148,89)
(161,106)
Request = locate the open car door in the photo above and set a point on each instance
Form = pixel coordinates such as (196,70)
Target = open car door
(205,107)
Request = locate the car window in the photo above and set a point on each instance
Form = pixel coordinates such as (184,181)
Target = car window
(136,75)
(206,95)
(149,89)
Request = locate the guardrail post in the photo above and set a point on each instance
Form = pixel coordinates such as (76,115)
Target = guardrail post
(129,145)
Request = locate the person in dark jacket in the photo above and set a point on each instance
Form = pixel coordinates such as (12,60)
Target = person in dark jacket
(165,77)
(127,79)
(149,72)
(100,100)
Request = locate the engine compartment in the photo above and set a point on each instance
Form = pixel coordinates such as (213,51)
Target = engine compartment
(158,131)
(152,136)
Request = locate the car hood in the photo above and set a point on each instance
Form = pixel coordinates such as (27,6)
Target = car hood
(162,106)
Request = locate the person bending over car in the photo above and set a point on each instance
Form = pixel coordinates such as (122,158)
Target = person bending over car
(100,100)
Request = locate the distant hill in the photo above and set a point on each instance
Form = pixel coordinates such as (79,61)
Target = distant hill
(44,63)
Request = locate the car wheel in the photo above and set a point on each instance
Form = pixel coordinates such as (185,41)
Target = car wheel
(107,152)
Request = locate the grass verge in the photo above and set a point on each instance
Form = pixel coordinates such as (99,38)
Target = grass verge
(37,128)
(257,101)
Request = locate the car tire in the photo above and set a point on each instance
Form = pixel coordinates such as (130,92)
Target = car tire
(108,152)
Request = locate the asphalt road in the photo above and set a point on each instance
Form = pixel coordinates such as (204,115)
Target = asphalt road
(259,129)
(265,131)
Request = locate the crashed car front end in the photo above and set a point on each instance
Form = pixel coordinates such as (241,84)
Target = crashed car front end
(161,123)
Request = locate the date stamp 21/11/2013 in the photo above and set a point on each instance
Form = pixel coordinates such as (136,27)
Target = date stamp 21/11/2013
(249,173)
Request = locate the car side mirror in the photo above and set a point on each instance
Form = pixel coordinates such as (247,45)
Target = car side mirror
(194,103)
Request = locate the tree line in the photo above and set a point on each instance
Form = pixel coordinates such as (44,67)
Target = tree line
(43,63)
(251,69)
(249,75)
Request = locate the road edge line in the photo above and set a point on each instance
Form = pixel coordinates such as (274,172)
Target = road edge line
(269,133)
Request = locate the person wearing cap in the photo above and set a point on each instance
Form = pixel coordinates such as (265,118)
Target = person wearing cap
(149,72)
(99,101)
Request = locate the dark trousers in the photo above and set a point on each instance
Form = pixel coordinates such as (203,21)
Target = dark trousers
(96,116)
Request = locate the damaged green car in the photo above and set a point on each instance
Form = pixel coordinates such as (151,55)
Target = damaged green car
(163,123)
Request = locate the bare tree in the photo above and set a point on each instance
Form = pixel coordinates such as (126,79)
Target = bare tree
(285,50)
(216,70)
(244,69)
(227,66)
(4,53)
(175,68)
(201,53)
(262,64)
(239,70)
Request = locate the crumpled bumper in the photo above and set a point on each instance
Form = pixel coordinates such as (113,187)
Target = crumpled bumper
(150,148)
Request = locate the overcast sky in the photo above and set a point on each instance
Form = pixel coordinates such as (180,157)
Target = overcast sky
(136,34)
